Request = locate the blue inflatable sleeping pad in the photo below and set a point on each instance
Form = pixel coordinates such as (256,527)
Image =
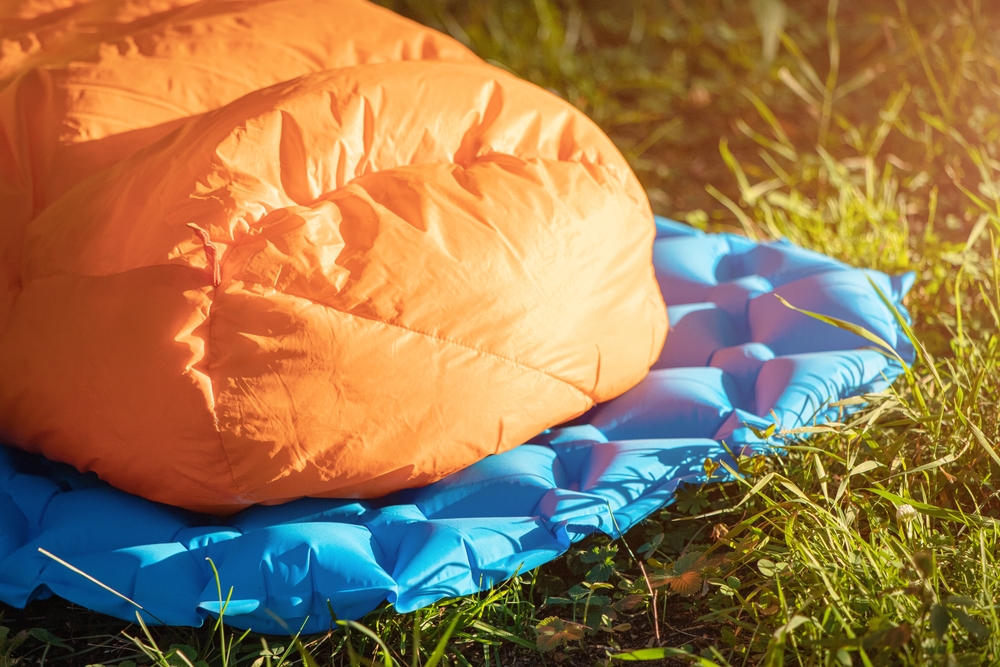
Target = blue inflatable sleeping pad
(735,358)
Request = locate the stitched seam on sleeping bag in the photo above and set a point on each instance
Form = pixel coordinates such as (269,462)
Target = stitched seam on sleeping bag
(211,386)
(442,339)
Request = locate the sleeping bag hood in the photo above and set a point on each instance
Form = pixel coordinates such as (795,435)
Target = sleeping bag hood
(353,262)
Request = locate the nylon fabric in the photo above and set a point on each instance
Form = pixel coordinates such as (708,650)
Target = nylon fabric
(259,250)
(86,83)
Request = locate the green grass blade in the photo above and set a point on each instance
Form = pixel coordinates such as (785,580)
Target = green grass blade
(442,644)
(848,326)
(387,660)
(662,653)
(935,511)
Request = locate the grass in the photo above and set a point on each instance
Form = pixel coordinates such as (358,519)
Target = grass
(867,131)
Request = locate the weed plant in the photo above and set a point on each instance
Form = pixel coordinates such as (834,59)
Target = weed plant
(867,131)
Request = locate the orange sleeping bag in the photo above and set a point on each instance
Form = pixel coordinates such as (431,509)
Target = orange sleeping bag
(355,281)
